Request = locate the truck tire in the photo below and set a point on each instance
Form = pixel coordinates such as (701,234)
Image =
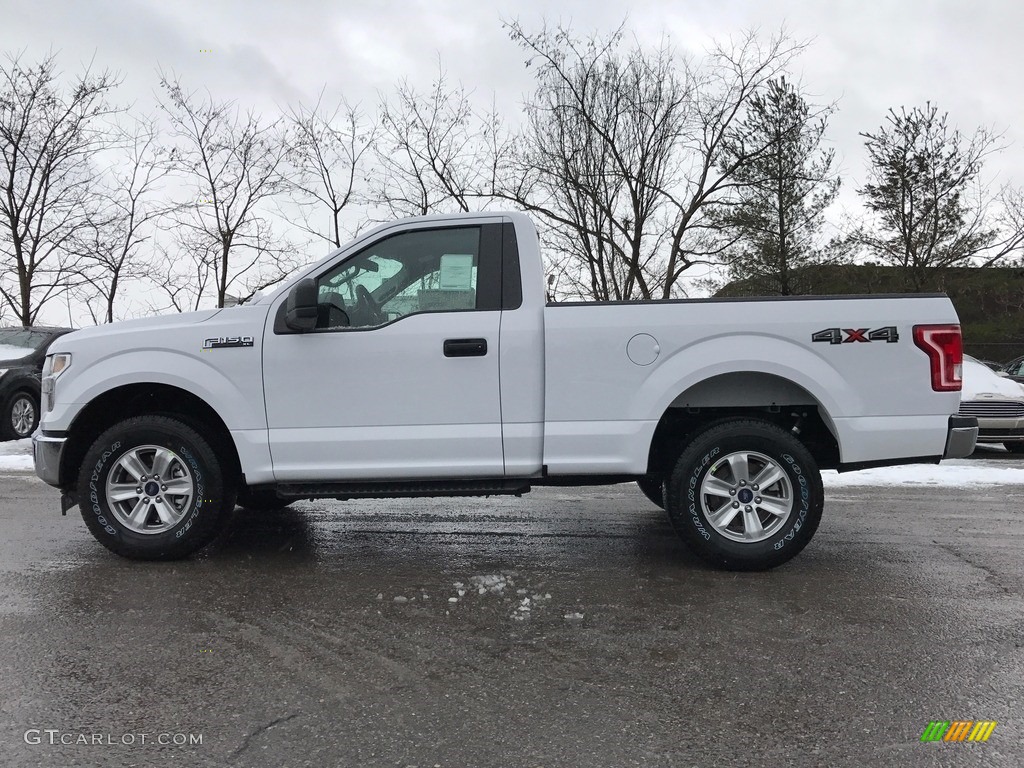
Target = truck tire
(653,490)
(152,488)
(745,495)
(260,500)
(20,416)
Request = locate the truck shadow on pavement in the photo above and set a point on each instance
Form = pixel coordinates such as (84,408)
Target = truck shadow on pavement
(393,535)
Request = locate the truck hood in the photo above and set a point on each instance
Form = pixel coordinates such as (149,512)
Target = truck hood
(135,332)
(159,321)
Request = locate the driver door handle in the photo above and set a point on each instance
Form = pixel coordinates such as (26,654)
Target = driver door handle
(465,347)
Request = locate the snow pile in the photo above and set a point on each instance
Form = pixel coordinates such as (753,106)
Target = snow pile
(979,379)
(494,584)
(523,610)
(958,474)
(16,456)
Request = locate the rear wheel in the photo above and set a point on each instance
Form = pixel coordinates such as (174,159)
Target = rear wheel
(745,495)
(152,488)
(1014,447)
(653,490)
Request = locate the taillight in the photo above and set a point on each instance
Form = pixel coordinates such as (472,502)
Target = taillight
(945,349)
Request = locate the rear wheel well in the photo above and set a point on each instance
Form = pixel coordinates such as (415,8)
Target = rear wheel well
(677,425)
(131,400)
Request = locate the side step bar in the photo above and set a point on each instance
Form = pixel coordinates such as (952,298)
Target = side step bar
(394,490)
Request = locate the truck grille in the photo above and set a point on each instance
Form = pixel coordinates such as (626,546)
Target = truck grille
(996,409)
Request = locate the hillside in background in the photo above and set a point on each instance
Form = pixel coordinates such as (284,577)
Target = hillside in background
(989,300)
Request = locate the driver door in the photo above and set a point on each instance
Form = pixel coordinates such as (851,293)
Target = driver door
(400,378)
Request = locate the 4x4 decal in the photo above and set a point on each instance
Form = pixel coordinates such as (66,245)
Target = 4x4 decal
(887,334)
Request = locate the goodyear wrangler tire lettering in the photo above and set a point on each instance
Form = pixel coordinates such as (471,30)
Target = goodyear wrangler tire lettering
(756,506)
(157,490)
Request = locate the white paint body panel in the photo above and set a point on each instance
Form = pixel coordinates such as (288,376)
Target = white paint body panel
(522,362)
(169,350)
(878,396)
(385,402)
(557,389)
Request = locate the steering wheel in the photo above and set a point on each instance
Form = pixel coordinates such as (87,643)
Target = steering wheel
(367,308)
(331,312)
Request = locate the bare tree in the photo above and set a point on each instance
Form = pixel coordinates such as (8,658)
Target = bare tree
(49,136)
(1011,223)
(624,154)
(232,162)
(931,208)
(716,144)
(109,247)
(329,152)
(182,278)
(432,150)
(596,155)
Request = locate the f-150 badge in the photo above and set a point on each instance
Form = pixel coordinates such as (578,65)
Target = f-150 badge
(225,342)
(887,334)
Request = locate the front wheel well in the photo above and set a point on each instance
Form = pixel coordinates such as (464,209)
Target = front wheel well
(131,400)
(23,388)
(678,425)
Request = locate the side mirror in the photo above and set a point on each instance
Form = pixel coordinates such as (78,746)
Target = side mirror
(300,307)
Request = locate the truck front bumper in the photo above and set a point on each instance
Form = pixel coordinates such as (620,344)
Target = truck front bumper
(47,453)
(961,437)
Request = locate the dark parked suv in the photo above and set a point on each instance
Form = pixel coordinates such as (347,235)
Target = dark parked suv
(22,352)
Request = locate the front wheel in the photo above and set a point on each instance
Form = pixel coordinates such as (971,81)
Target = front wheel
(745,495)
(21,415)
(152,488)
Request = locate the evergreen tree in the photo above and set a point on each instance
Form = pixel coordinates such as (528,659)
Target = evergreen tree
(775,220)
(923,187)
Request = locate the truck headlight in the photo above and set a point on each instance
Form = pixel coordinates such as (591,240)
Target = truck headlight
(53,367)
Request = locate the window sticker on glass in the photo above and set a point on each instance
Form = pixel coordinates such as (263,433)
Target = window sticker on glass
(456,271)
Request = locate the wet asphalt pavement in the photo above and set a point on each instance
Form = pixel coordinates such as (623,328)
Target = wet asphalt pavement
(336,634)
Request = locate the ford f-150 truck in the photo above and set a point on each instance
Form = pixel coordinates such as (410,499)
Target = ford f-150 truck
(422,359)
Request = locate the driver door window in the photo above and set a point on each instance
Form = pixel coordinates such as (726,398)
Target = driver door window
(420,271)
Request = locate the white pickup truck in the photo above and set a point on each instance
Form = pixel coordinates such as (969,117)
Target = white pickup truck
(422,359)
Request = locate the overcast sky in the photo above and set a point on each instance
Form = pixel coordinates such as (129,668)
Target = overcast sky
(868,55)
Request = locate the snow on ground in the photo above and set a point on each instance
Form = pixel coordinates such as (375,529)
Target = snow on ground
(959,473)
(16,456)
(495,584)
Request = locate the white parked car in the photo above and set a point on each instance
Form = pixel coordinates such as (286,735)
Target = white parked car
(997,402)
(423,360)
